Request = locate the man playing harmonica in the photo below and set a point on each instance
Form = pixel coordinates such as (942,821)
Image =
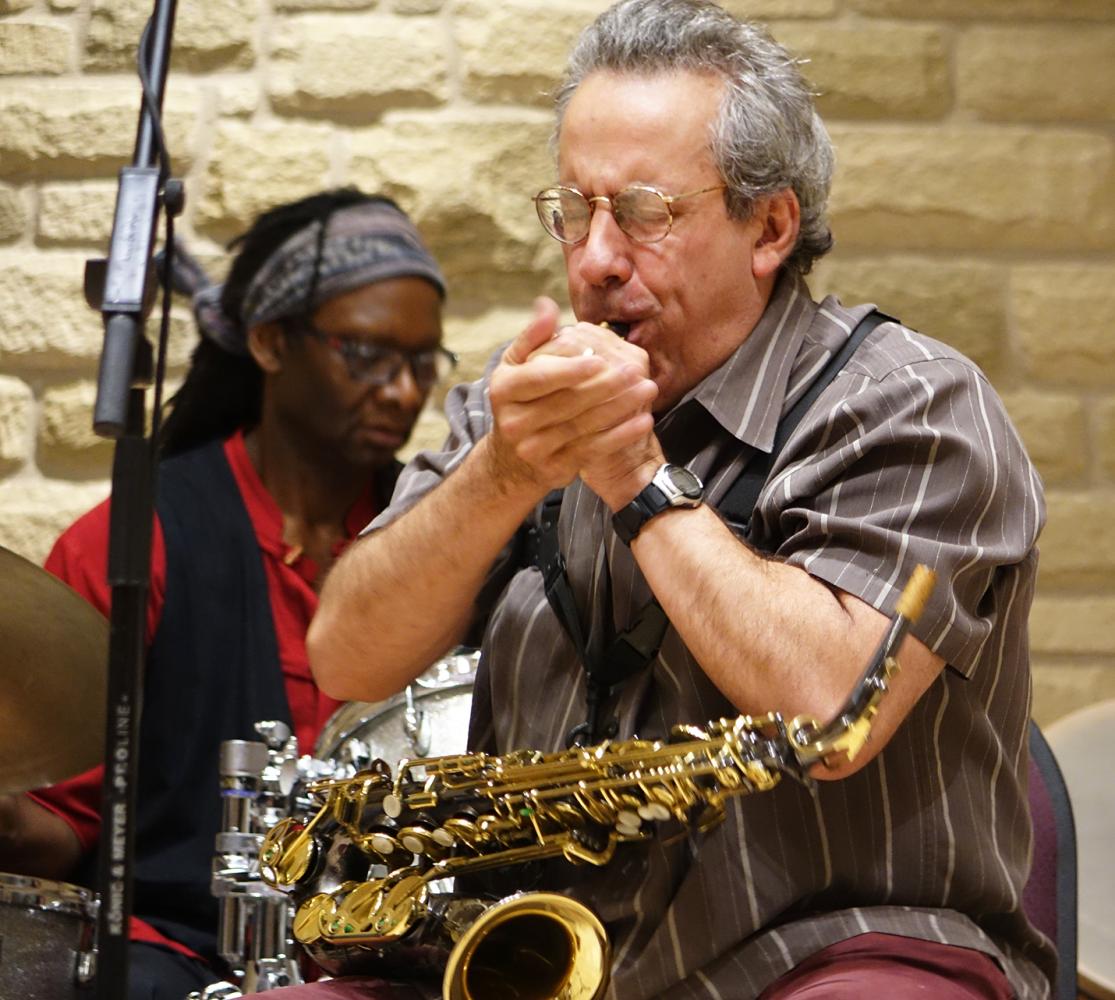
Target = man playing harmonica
(692,179)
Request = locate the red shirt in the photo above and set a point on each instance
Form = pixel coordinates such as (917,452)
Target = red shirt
(80,558)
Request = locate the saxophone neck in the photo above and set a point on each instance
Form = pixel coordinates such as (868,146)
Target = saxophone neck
(849,730)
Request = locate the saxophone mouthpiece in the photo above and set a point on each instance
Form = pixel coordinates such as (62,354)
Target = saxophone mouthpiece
(916,593)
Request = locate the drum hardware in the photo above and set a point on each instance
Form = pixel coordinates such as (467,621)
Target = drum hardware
(47,929)
(265,782)
(55,651)
(369,902)
(253,935)
(416,724)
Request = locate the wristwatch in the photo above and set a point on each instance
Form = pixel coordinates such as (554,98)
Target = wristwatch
(672,486)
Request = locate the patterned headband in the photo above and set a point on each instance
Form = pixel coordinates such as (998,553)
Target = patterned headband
(362,244)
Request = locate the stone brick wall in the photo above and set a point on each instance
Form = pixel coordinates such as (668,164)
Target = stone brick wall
(975,198)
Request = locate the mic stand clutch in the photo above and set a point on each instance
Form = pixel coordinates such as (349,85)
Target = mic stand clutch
(121,288)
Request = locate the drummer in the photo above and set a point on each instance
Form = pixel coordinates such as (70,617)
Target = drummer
(316,356)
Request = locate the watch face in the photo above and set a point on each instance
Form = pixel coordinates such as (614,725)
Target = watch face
(684,480)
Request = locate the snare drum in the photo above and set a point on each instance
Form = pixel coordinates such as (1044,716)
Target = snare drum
(46,938)
(429,719)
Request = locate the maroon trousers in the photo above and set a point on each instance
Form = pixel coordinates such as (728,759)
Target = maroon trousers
(897,968)
(870,965)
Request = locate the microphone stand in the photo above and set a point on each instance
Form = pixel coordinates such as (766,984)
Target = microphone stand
(122,288)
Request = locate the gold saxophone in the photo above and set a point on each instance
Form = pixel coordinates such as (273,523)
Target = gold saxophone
(380,846)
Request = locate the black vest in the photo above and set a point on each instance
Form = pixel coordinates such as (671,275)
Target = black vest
(212,671)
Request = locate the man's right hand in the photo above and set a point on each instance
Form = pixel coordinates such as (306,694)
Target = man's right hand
(563,400)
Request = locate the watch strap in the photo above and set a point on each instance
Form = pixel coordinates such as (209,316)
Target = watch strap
(628,521)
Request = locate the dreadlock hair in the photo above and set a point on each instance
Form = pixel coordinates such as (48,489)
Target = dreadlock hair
(222,391)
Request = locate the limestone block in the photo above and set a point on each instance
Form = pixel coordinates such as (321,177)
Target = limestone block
(1063,315)
(208,34)
(353,68)
(999,10)
(11,6)
(305,5)
(1005,73)
(252,168)
(34,47)
(959,302)
(76,214)
(417,6)
(13,214)
(62,6)
(66,438)
(1053,428)
(62,129)
(467,178)
(1063,687)
(16,416)
(966,188)
(475,338)
(237,97)
(1105,436)
(869,70)
(34,512)
(758,9)
(44,321)
(507,57)
(1073,624)
(1078,544)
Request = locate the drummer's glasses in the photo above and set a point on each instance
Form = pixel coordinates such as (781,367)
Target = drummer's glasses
(377,364)
(641,211)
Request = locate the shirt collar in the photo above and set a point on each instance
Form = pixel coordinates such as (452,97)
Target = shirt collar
(745,394)
(267,518)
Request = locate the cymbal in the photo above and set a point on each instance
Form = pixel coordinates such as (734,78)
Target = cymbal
(53,662)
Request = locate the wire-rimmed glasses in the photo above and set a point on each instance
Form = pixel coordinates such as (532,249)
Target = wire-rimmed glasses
(377,364)
(641,211)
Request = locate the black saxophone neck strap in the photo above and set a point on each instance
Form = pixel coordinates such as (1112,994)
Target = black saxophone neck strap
(631,650)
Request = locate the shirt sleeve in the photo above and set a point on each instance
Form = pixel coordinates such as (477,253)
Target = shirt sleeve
(920,466)
(80,559)
(469,415)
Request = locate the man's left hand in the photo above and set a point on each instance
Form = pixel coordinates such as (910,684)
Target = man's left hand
(616,475)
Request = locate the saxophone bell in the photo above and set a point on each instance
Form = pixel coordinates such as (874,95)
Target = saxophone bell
(527,946)
(530,946)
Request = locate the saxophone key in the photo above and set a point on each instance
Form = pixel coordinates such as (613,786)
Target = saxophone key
(419,839)
(443,837)
(356,913)
(400,907)
(654,812)
(462,829)
(383,843)
(628,823)
(307,924)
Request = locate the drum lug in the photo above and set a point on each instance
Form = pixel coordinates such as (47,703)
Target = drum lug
(86,967)
(416,725)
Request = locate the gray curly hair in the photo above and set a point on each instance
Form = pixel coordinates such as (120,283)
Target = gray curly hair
(767,136)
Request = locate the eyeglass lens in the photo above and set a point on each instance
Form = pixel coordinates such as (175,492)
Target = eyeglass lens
(378,364)
(642,213)
(381,365)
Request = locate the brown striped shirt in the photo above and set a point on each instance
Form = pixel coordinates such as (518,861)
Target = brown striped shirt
(907,457)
